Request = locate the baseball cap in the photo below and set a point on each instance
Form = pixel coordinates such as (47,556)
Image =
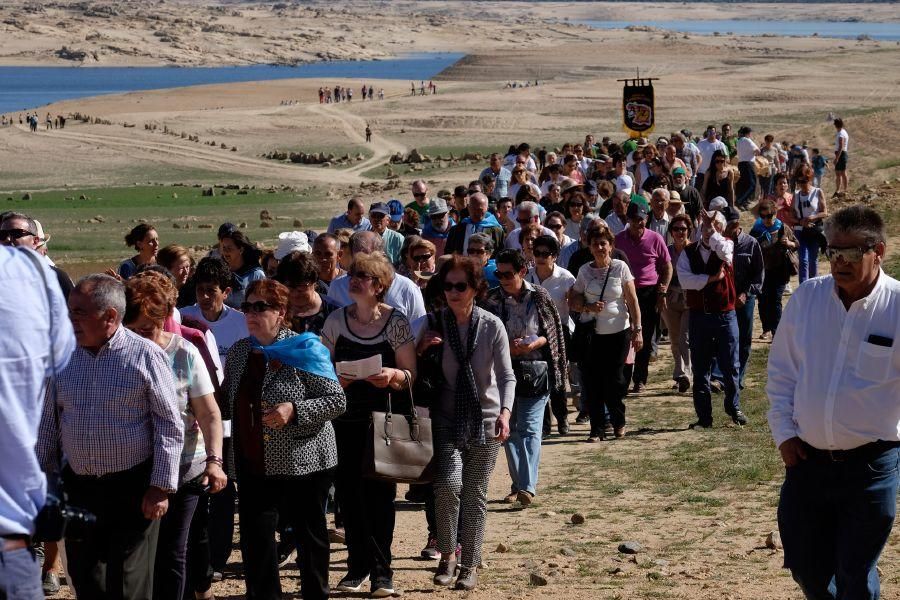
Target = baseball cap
(731,214)
(225,229)
(679,171)
(590,187)
(438,207)
(380,207)
(636,210)
(445,194)
(603,158)
(624,183)
(396,208)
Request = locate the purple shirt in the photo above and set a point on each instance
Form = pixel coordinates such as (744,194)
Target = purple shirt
(645,256)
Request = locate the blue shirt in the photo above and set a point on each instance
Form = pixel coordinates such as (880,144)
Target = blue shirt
(242,281)
(501,181)
(25,361)
(342,222)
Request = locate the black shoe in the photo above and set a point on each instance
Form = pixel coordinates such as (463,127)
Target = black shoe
(684,384)
(546,433)
(739,418)
(582,418)
(563,428)
(699,425)
(716,386)
(352,584)
(382,588)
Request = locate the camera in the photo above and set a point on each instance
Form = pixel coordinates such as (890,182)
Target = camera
(59,519)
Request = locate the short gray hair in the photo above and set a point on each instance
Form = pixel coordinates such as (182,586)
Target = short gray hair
(663,192)
(856,220)
(105,292)
(483,239)
(528,208)
(32,226)
(366,242)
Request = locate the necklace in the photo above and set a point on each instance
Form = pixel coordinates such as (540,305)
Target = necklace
(376,314)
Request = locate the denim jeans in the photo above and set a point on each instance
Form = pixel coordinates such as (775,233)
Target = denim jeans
(714,336)
(744,316)
(523,448)
(835,518)
(746,185)
(770,304)
(20,575)
(809,256)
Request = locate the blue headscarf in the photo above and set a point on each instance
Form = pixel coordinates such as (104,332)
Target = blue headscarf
(305,352)
(489,220)
(761,232)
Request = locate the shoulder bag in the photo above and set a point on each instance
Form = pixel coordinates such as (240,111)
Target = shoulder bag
(400,447)
(581,339)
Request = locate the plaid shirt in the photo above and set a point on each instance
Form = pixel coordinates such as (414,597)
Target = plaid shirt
(116,409)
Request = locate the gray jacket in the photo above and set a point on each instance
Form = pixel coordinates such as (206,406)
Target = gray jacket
(306,444)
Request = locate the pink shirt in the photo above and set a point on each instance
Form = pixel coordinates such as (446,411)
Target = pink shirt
(645,256)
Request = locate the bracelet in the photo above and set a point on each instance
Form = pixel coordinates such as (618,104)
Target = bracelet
(212,458)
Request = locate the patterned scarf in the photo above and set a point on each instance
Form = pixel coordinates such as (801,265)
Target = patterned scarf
(469,420)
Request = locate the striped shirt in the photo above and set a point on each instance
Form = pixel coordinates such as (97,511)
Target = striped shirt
(116,409)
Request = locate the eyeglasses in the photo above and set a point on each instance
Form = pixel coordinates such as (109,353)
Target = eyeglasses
(422,258)
(260,306)
(477,252)
(361,276)
(678,229)
(13,234)
(542,253)
(459,286)
(853,254)
(504,274)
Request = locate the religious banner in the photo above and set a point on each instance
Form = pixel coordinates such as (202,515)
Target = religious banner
(638,114)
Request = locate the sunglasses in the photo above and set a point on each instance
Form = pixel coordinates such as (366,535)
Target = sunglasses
(576,205)
(257,307)
(554,225)
(680,229)
(13,234)
(504,274)
(361,276)
(419,194)
(850,255)
(542,253)
(459,286)
(766,215)
(422,258)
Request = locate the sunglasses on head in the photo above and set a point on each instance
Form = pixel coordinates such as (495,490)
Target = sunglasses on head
(459,286)
(504,274)
(422,258)
(853,254)
(260,306)
(13,234)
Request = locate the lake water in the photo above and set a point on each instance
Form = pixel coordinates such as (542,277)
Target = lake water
(876,31)
(31,87)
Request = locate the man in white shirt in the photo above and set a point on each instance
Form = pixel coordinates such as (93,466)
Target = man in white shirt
(834,388)
(404,295)
(526,213)
(747,150)
(706,273)
(841,144)
(706,147)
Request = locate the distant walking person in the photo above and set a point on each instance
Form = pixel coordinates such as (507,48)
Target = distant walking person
(841,144)
(368,133)
(834,414)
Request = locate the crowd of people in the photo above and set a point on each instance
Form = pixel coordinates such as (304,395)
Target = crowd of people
(486,307)
(329,95)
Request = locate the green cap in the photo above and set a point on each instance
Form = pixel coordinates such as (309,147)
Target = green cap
(679,171)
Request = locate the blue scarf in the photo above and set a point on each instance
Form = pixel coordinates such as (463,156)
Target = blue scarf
(305,352)
(429,232)
(761,232)
(489,220)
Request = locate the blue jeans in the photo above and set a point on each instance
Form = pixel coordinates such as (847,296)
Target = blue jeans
(809,256)
(20,575)
(714,336)
(523,448)
(744,316)
(770,304)
(835,518)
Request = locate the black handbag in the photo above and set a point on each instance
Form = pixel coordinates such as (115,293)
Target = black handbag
(429,367)
(532,378)
(584,330)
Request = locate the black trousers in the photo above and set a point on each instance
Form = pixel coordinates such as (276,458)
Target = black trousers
(221,521)
(170,571)
(367,506)
(647,297)
(116,560)
(199,570)
(259,509)
(604,379)
(558,407)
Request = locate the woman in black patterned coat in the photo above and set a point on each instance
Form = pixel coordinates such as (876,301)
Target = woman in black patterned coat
(284,443)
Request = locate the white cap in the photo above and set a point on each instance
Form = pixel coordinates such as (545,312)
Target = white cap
(718,203)
(291,241)
(624,183)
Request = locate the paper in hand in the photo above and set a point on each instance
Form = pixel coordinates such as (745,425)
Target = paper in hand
(359,369)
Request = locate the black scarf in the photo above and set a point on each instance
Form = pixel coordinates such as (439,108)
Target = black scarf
(469,420)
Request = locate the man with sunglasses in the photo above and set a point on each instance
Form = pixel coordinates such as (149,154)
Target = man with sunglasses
(833,385)
(527,212)
(419,191)
(438,225)
(20,230)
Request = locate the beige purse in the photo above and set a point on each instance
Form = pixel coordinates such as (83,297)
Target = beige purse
(400,447)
